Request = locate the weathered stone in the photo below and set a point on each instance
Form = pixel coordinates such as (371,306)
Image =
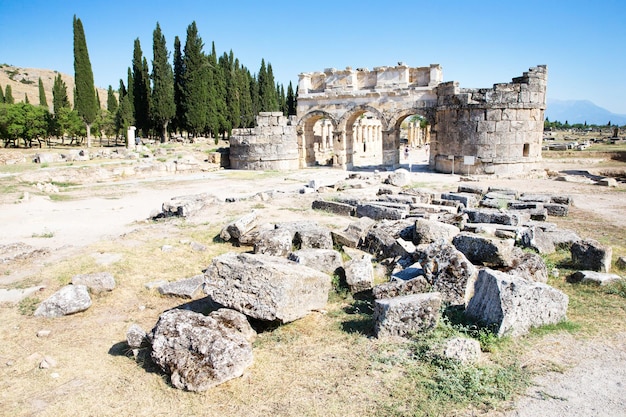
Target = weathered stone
(562,238)
(327,261)
(96,283)
(313,237)
(590,255)
(353,235)
(335,207)
(481,250)
(250,238)
(497,216)
(593,277)
(403,248)
(513,305)
(359,273)
(200,352)
(266,287)
(467,199)
(403,316)
(380,240)
(470,188)
(428,231)
(536,238)
(621,262)
(68,300)
(239,227)
(528,266)
(462,349)
(379,212)
(399,178)
(400,287)
(135,336)
(276,242)
(608,182)
(184,288)
(18,294)
(185,206)
(449,272)
(558,210)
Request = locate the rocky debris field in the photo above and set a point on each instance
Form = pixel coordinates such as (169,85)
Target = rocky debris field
(407,243)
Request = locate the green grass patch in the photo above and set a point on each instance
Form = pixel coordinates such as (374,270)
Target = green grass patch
(617,288)
(28,305)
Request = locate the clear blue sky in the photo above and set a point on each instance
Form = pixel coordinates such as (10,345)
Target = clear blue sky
(478,43)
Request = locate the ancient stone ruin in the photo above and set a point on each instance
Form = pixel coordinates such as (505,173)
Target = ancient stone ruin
(350,118)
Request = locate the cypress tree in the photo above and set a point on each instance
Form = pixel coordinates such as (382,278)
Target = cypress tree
(245,103)
(85,96)
(111,101)
(162,108)
(59,95)
(43,101)
(218,119)
(8,95)
(291,101)
(271,90)
(26,99)
(232,90)
(1,95)
(263,95)
(195,79)
(178,86)
(141,89)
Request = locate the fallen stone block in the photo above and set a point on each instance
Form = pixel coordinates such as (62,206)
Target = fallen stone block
(462,349)
(327,261)
(449,272)
(200,352)
(481,250)
(593,277)
(403,316)
(359,273)
(427,231)
(68,300)
(185,206)
(589,254)
(497,216)
(266,287)
(341,209)
(184,288)
(380,212)
(136,337)
(400,287)
(467,199)
(275,242)
(97,283)
(558,210)
(313,237)
(513,305)
(528,266)
(238,228)
(399,178)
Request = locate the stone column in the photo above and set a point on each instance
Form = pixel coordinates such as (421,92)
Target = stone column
(339,147)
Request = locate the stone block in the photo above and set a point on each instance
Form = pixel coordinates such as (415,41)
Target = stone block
(334,207)
(593,277)
(428,231)
(481,250)
(405,315)
(514,305)
(266,287)
(590,255)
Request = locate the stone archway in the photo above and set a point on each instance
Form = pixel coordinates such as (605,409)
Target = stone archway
(316,139)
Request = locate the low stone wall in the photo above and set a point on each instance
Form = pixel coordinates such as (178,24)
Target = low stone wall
(271,145)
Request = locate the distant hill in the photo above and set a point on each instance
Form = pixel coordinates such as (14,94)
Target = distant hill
(25,81)
(581,111)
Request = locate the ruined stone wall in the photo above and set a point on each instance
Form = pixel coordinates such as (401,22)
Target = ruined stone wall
(271,145)
(501,127)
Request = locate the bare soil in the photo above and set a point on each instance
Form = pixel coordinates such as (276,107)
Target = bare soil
(96,223)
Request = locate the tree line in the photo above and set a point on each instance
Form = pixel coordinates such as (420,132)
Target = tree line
(198,94)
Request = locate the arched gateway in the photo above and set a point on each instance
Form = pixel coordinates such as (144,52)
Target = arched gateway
(497,130)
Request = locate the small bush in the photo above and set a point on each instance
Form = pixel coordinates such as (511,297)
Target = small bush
(28,306)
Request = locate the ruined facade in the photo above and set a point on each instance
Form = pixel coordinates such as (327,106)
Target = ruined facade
(347,118)
(271,145)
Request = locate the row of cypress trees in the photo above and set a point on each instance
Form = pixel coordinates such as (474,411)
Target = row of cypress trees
(200,94)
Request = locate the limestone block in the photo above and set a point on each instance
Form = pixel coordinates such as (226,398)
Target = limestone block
(359,273)
(514,305)
(598,278)
(589,254)
(266,287)
(449,272)
(559,210)
(68,300)
(528,266)
(378,211)
(200,352)
(98,282)
(400,287)
(462,349)
(402,316)
(276,242)
(467,199)
(135,336)
(428,231)
(481,250)
(313,237)
(184,288)
(239,227)
(328,261)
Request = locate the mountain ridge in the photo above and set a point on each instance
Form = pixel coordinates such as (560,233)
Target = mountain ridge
(581,111)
